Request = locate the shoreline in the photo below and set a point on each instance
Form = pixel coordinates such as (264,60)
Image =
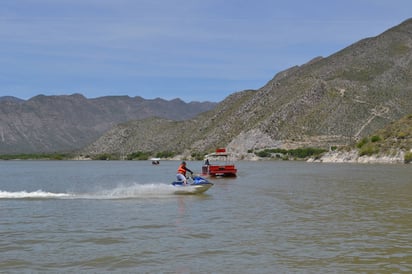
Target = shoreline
(351,156)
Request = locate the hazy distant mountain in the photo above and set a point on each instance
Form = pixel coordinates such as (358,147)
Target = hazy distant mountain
(10,99)
(62,123)
(328,101)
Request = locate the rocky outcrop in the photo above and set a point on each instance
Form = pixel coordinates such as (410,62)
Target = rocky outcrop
(254,138)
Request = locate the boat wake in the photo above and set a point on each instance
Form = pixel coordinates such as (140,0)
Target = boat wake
(39,194)
(133,191)
(119,192)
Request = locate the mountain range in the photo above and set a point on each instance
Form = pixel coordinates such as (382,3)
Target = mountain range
(326,102)
(45,124)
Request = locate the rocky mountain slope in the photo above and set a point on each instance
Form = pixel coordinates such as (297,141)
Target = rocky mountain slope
(64,123)
(328,101)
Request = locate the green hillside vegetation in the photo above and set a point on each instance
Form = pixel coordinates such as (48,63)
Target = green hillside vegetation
(387,141)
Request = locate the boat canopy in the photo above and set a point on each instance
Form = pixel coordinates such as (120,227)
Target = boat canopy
(219,152)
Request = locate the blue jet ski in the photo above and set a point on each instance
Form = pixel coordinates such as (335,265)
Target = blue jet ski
(194,185)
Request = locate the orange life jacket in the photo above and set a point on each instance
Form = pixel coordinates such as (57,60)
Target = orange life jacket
(181,170)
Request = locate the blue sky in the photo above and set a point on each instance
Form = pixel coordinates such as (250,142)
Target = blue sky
(196,50)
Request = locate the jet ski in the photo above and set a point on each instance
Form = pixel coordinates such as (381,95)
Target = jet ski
(195,185)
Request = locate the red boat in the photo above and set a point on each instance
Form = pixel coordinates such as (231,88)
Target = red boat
(222,164)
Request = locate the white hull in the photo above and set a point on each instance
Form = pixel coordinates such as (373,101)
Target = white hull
(192,189)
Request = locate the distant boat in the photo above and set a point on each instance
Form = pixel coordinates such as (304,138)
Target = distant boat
(222,166)
(155,161)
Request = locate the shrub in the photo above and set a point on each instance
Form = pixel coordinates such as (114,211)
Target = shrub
(139,155)
(306,152)
(375,138)
(295,153)
(263,153)
(368,150)
(165,154)
(408,157)
(104,156)
(401,135)
(362,142)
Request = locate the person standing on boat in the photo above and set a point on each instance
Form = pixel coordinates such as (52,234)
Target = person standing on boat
(181,172)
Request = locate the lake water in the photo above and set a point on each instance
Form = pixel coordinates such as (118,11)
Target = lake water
(275,217)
